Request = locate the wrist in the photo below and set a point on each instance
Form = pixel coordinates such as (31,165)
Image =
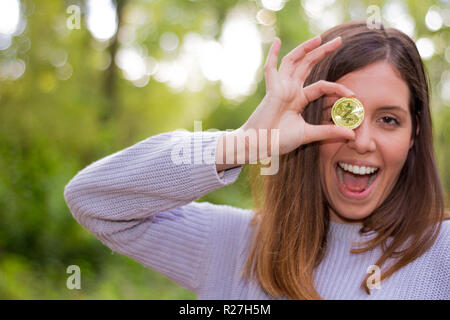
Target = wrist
(230,150)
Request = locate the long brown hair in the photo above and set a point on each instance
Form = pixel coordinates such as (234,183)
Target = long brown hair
(291,210)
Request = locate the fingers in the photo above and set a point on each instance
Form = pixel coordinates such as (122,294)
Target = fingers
(272,59)
(312,58)
(322,132)
(299,60)
(299,52)
(322,87)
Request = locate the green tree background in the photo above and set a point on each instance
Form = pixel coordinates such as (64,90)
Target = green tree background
(65,103)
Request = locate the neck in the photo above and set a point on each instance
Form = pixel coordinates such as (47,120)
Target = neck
(335,217)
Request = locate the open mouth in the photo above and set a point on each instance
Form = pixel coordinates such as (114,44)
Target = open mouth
(355,180)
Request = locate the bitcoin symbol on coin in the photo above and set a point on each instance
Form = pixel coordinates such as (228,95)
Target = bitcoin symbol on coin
(349,110)
(348,113)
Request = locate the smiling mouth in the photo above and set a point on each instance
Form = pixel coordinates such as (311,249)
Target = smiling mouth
(355,182)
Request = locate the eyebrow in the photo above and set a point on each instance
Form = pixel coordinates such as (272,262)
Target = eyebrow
(392,108)
(380,108)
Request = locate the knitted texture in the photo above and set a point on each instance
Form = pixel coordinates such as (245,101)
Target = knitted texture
(140,202)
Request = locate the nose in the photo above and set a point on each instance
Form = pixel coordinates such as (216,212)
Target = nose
(364,140)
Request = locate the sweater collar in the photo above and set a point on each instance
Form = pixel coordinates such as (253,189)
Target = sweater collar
(347,231)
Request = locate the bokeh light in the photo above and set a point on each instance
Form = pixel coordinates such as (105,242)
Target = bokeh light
(132,62)
(242,52)
(397,16)
(433,19)
(233,59)
(9,22)
(322,14)
(445,86)
(12,69)
(274,5)
(101,19)
(9,16)
(169,41)
(425,47)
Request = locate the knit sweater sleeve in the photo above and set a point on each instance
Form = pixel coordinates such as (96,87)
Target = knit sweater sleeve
(140,202)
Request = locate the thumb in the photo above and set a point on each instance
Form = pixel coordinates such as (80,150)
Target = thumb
(322,132)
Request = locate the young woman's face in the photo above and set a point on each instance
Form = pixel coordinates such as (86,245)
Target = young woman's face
(381,141)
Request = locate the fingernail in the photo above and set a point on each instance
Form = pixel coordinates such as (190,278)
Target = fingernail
(349,91)
(336,39)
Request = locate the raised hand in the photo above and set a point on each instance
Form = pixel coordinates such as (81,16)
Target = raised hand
(286,97)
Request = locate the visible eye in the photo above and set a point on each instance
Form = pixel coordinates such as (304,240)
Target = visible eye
(390,121)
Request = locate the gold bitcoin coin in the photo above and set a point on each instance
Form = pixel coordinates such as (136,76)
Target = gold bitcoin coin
(347,113)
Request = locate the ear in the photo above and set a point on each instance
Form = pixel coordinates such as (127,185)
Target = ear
(417,132)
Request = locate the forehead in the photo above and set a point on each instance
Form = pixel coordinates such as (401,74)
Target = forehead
(378,84)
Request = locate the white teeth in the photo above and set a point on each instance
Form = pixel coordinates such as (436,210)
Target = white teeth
(341,176)
(356,169)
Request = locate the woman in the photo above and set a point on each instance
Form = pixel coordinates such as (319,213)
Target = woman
(322,227)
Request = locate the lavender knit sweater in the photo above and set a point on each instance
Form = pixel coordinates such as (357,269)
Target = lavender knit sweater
(140,203)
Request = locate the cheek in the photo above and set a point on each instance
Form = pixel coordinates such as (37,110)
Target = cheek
(394,149)
(327,152)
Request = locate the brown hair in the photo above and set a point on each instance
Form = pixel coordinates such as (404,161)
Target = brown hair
(291,210)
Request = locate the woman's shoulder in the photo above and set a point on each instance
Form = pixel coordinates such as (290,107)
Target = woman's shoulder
(441,250)
(441,247)
(445,231)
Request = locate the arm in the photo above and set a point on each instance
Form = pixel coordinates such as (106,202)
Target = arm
(224,154)
(138,202)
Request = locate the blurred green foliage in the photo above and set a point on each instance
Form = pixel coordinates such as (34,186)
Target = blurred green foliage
(51,128)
